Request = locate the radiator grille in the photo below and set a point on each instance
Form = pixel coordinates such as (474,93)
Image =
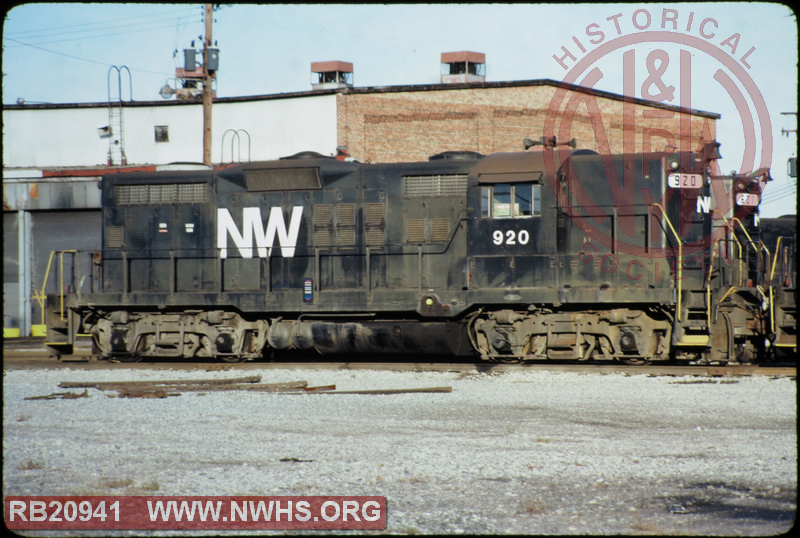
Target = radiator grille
(415,230)
(115,236)
(323,225)
(346,214)
(440,230)
(435,185)
(282,179)
(164,193)
(335,225)
(375,224)
(427,230)
(346,224)
(346,236)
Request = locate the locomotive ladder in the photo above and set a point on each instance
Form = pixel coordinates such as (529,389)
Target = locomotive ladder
(116,127)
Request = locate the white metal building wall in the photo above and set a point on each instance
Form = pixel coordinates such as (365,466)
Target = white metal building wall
(68,136)
(42,138)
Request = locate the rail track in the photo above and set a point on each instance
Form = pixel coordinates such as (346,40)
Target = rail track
(29,353)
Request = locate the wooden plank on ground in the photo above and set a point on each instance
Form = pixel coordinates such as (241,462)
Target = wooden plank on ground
(101,384)
(386,391)
(258,387)
(61,396)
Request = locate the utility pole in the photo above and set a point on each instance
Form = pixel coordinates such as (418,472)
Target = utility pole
(207,93)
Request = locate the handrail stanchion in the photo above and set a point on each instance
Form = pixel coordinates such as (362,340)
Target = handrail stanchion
(680,258)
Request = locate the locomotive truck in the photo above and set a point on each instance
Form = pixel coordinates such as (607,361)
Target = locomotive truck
(546,254)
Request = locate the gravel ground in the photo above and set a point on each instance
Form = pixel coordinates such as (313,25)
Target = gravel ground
(531,452)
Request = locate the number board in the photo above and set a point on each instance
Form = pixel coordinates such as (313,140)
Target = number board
(511,237)
(685,181)
(747,199)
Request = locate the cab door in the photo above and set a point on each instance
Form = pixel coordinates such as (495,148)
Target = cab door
(507,245)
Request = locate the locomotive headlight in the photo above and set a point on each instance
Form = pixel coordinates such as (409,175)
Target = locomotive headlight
(673,165)
(429,301)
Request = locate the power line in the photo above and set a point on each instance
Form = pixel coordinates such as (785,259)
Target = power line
(112,33)
(102,25)
(779,199)
(79,58)
(769,192)
(779,195)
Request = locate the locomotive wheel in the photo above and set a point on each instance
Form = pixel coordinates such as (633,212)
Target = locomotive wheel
(636,362)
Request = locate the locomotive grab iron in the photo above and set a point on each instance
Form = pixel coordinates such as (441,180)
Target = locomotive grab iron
(461,255)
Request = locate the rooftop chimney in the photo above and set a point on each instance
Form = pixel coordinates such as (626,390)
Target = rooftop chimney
(331,75)
(464,66)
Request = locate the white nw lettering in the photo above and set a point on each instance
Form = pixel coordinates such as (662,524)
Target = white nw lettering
(703,204)
(252,228)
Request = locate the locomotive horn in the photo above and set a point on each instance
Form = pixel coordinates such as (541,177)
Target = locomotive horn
(548,142)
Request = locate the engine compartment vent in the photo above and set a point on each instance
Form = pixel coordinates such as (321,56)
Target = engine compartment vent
(282,179)
(162,193)
(435,185)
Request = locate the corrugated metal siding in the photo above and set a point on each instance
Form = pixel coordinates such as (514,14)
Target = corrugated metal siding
(51,195)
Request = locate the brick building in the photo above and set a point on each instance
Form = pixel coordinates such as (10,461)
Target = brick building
(410,123)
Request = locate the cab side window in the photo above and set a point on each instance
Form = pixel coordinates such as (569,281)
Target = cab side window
(511,200)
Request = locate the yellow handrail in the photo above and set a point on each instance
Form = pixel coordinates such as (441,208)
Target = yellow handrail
(771,276)
(750,240)
(727,293)
(61,284)
(730,290)
(680,257)
(733,235)
(775,261)
(770,296)
(741,224)
(708,282)
(39,295)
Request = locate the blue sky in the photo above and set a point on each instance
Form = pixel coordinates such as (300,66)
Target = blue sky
(61,53)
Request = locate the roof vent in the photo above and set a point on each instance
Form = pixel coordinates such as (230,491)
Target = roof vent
(464,66)
(306,155)
(456,156)
(331,75)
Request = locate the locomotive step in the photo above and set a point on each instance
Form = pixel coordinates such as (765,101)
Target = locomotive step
(60,348)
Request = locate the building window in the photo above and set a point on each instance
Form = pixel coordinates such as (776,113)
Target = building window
(162,133)
(511,201)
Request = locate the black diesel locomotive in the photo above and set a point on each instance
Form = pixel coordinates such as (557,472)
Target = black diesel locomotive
(535,255)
